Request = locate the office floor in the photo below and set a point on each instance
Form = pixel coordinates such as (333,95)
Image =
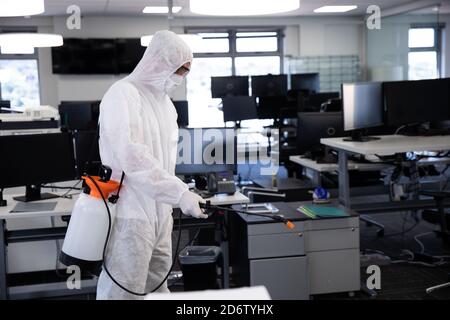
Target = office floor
(402,281)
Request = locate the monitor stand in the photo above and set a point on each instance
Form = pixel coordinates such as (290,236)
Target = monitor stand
(358,136)
(3,202)
(33,193)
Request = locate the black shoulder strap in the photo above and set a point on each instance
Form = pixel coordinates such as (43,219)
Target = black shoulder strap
(91,152)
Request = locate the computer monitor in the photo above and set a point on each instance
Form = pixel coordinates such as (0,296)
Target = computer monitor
(5,106)
(182,108)
(313,126)
(269,86)
(219,145)
(32,160)
(87,150)
(416,102)
(270,107)
(308,82)
(314,101)
(239,108)
(79,115)
(362,107)
(229,86)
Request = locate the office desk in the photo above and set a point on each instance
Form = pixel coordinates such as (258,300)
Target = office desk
(64,207)
(318,168)
(318,256)
(387,145)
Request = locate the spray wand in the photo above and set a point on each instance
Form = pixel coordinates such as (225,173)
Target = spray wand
(208,208)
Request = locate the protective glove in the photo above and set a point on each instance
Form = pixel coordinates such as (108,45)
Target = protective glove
(189,205)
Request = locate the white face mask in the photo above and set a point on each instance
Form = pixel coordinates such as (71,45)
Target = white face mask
(172,82)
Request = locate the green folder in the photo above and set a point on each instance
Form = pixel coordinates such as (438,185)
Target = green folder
(322,212)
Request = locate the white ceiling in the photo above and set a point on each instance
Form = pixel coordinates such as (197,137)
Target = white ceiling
(134,7)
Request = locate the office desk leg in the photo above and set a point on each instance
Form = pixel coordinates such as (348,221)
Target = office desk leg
(3,271)
(226,265)
(344,184)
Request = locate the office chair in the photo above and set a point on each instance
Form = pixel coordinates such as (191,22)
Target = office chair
(440,197)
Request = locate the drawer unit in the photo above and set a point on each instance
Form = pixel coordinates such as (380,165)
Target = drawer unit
(276,245)
(332,239)
(284,278)
(270,228)
(334,271)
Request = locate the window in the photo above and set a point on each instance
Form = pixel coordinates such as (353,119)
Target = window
(424,55)
(203,110)
(257,66)
(19,82)
(19,76)
(226,52)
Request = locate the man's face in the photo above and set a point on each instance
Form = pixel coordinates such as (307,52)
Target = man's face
(184,69)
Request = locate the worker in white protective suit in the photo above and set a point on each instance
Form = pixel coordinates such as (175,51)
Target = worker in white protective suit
(139,136)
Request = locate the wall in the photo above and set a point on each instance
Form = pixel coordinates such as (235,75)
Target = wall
(387,49)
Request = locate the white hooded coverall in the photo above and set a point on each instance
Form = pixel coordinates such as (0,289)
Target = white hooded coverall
(139,135)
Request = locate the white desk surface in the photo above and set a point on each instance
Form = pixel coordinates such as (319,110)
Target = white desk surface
(392,144)
(64,206)
(255,293)
(328,167)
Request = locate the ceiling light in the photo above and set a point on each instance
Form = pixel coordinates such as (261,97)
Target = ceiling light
(35,40)
(335,9)
(242,8)
(17,8)
(151,9)
(193,40)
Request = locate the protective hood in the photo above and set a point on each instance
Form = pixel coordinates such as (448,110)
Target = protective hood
(163,56)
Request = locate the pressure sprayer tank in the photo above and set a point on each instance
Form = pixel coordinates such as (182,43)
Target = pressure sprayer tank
(88,227)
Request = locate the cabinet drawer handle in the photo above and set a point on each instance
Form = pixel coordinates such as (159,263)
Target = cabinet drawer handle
(300,234)
(353,229)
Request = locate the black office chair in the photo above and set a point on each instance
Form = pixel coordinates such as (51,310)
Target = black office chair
(440,197)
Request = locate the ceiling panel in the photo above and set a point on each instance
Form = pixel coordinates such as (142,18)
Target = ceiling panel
(134,7)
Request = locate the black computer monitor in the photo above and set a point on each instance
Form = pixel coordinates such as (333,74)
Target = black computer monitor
(229,86)
(270,107)
(87,153)
(314,101)
(416,102)
(206,141)
(313,126)
(362,107)
(32,160)
(269,86)
(182,108)
(308,82)
(5,106)
(239,108)
(79,115)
